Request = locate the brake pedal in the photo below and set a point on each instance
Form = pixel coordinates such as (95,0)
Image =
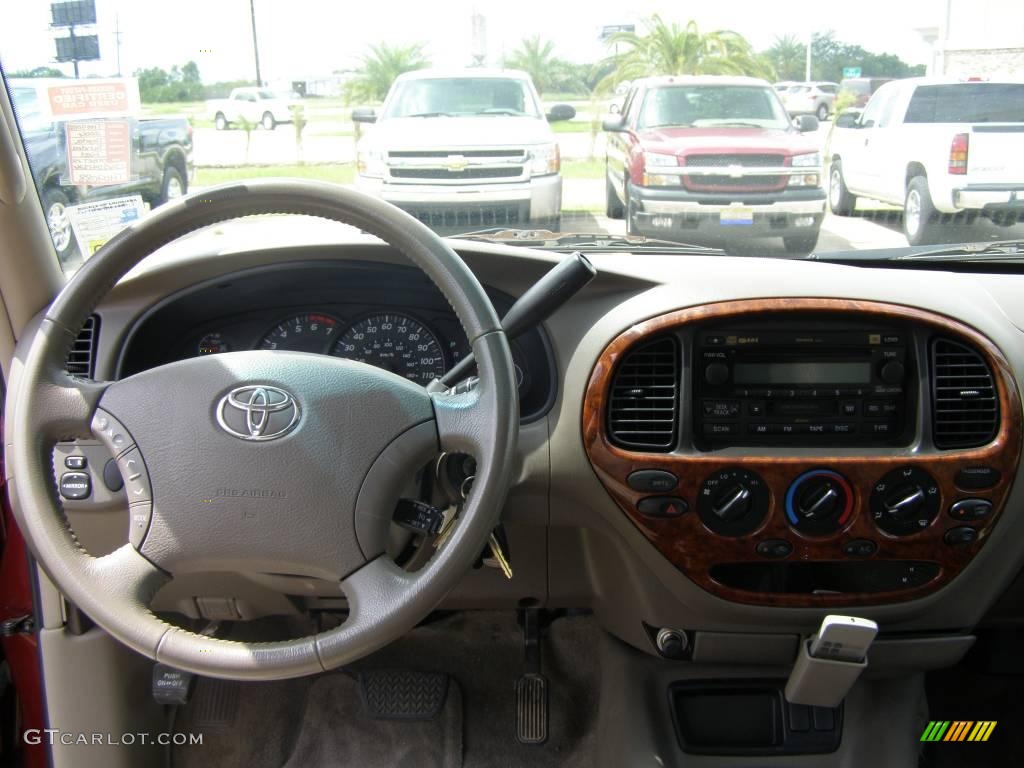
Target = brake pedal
(532,687)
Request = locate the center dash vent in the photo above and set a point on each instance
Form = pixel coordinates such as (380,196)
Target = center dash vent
(82,357)
(643,405)
(965,405)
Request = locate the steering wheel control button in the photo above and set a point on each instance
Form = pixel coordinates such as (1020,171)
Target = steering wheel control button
(960,537)
(860,548)
(968,510)
(112,476)
(819,502)
(905,501)
(977,478)
(652,480)
(774,548)
(662,506)
(136,479)
(111,432)
(76,462)
(75,486)
(733,502)
(139,516)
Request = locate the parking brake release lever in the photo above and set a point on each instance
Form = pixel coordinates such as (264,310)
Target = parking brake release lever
(532,308)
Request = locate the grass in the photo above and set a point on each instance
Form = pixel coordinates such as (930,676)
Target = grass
(583,169)
(341,173)
(571,126)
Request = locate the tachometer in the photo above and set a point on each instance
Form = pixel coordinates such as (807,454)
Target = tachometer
(396,343)
(303,333)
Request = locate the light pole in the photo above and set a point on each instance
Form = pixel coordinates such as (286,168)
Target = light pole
(255,44)
(807,61)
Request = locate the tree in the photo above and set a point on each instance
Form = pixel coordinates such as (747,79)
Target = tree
(549,73)
(38,72)
(830,56)
(788,57)
(670,49)
(379,68)
(180,84)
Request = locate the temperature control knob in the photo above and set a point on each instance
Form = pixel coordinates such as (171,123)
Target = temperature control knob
(733,502)
(819,502)
(905,501)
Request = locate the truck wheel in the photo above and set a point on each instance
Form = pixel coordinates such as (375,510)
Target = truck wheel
(800,245)
(920,219)
(173,186)
(612,204)
(58,221)
(268,122)
(220,122)
(822,113)
(840,201)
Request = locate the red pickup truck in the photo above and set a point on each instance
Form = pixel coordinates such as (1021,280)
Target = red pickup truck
(713,159)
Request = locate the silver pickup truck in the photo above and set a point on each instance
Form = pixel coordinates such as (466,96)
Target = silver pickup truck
(464,150)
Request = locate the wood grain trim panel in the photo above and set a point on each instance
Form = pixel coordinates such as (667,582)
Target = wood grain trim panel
(693,548)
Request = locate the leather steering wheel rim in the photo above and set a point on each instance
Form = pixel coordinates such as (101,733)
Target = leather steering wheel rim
(46,406)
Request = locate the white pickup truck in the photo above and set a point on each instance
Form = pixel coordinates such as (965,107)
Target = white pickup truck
(947,151)
(464,150)
(258,106)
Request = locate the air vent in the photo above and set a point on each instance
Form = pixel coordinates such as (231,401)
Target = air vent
(965,406)
(644,402)
(81,358)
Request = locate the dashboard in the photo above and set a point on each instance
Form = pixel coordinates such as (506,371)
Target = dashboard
(751,502)
(389,317)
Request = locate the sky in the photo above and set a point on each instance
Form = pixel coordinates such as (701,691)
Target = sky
(304,39)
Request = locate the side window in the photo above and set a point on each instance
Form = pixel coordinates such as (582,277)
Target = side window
(876,108)
(889,109)
(628,108)
(828,88)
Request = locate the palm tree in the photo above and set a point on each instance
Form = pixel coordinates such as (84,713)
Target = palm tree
(537,58)
(670,49)
(379,68)
(788,56)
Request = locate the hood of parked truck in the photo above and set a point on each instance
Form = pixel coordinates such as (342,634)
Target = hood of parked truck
(457,132)
(685,141)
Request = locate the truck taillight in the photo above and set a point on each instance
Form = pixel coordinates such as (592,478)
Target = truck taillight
(958,154)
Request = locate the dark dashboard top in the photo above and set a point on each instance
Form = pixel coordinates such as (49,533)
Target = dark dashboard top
(386,315)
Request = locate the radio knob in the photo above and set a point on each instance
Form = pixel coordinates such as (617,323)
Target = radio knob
(716,373)
(892,372)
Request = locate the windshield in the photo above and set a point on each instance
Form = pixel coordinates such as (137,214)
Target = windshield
(711,105)
(461,96)
(652,126)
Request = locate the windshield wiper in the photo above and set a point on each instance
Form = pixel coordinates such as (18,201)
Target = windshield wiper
(431,114)
(732,124)
(1001,250)
(585,241)
(500,111)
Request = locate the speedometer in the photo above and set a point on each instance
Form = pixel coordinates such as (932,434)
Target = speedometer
(396,343)
(302,333)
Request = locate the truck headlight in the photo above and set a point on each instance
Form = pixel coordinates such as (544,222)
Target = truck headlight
(545,159)
(370,163)
(655,160)
(810,159)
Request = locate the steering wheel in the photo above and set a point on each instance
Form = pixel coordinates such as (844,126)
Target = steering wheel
(259,461)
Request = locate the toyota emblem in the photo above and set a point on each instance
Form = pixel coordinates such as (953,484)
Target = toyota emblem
(257,412)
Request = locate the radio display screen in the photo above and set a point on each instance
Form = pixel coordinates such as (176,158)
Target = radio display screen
(847,372)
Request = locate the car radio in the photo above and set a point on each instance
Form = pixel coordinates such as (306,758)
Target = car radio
(818,384)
